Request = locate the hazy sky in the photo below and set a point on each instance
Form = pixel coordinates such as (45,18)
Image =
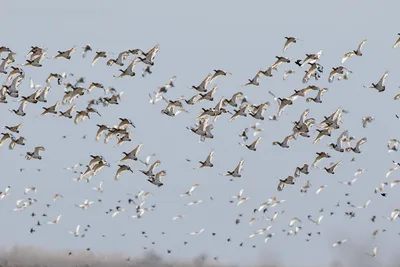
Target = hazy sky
(196,37)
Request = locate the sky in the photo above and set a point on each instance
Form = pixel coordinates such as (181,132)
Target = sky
(195,38)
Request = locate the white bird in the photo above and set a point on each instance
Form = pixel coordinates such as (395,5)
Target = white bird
(242,200)
(115,213)
(393,183)
(33,86)
(27,190)
(197,232)
(56,221)
(350,183)
(194,202)
(391,170)
(322,187)
(85,204)
(373,254)
(76,232)
(268,236)
(190,191)
(318,221)
(363,206)
(293,221)
(287,74)
(99,188)
(238,196)
(338,243)
(4,193)
(178,217)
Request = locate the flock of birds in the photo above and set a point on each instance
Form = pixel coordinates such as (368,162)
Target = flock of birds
(236,107)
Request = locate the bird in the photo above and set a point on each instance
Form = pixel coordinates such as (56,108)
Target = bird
(76,232)
(284,143)
(332,168)
(65,54)
(236,173)
(118,210)
(202,87)
(208,161)
(85,50)
(288,180)
(156,179)
(132,155)
(196,232)
(122,169)
(14,129)
(99,54)
(150,55)
(289,41)
(217,73)
(119,60)
(129,70)
(255,80)
(322,187)
(340,242)
(56,221)
(21,110)
(380,86)
(99,188)
(374,252)
(356,149)
(318,221)
(190,191)
(35,154)
(354,52)
(350,183)
(365,120)
(303,169)
(253,145)
(51,109)
(287,73)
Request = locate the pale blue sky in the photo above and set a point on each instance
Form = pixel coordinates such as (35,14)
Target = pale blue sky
(195,38)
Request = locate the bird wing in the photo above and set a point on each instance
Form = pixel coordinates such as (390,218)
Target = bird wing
(347,55)
(396,43)
(22,105)
(96,57)
(383,79)
(334,166)
(361,45)
(206,81)
(286,45)
(287,139)
(239,166)
(210,156)
(362,141)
